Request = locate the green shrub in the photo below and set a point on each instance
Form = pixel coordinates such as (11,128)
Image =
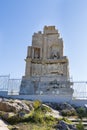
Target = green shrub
(80,126)
(13,119)
(58,107)
(68,112)
(66,120)
(37,104)
(37,116)
(81,111)
(45,108)
(49,119)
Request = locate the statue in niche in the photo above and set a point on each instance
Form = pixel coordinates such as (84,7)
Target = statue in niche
(54,49)
(55,55)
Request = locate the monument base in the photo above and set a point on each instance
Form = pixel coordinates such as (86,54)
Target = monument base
(46,85)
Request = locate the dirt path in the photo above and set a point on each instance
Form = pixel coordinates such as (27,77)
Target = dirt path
(3,125)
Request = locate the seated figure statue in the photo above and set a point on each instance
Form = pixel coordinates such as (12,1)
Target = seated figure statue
(55,55)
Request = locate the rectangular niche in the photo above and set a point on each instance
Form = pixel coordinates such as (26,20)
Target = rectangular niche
(36,53)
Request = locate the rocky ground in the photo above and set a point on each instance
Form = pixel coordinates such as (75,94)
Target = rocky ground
(35,115)
(3,125)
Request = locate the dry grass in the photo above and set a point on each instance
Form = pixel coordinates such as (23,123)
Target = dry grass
(32,126)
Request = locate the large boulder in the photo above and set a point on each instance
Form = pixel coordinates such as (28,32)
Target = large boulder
(60,106)
(62,125)
(14,106)
(64,108)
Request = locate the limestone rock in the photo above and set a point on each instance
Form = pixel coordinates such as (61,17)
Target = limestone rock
(63,106)
(64,126)
(65,109)
(13,106)
(60,106)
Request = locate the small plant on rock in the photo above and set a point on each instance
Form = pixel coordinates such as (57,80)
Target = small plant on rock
(80,126)
(37,104)
(81,111)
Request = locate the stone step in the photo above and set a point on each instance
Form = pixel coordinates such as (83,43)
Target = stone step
(84,123)
(77,121)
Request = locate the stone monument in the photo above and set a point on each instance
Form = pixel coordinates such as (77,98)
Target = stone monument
(46,69)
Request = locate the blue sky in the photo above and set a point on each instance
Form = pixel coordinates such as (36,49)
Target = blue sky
(19,19)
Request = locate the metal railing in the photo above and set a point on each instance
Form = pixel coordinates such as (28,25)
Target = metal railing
(4,80)
(80,89)
(12,86)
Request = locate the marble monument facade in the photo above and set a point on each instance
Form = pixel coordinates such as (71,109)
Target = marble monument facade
(46,69)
